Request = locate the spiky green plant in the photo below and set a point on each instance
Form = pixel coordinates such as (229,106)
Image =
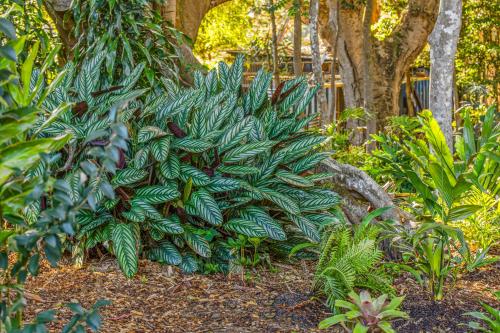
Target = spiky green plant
(366,314)
(204,164)
(489,319)
(350,258)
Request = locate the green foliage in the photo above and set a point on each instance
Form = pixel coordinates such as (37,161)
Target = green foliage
(32,222)
(365,314)
(489,319)
(439,179)
(349,258)
(478,52)
(204,164)
(129,33)
(442,185)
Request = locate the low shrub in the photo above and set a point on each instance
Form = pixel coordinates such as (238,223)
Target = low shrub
(350,258)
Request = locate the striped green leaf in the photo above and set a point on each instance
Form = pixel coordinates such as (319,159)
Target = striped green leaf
(146,208)
(156,194)
(306,226)
(160,148)
(239,170)
(293,179)
(272,228)
(319,200)
(220,185)
(191,145)
(166,252)
(128,176)
(246,151)
(170,169)
(198,177)
(149,132)
(170,225)
(125,247)
(189,264)
(245,227)
(206,207)
(141,158)
(198,244)
(281,200)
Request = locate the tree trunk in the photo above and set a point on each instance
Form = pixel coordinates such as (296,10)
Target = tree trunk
(367,68)
(57,10)
(443,41)
(409,100)
(387,59)
(334,22)
(274,44)
(297,38)
(316,60)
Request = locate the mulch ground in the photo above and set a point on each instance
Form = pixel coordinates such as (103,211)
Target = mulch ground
(161,299)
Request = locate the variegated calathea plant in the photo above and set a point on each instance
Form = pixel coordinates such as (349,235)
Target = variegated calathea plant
(204,166)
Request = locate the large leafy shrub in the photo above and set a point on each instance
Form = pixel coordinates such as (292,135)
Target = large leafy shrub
(203,165)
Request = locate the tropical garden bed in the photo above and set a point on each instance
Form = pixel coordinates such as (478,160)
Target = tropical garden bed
(141,191)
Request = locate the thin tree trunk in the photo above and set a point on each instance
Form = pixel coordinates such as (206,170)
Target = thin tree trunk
(367,72)
(297,38)
(334,18)
(409,101)
(316,61)
(443,41)
(274,44)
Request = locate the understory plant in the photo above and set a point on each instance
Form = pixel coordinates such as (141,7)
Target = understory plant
(26,180)
(350,258)
(489,319)
(442,183)
(366,314)
(203,166)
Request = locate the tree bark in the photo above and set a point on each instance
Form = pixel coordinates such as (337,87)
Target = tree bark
(443,41)
(367,67)
(389,59)
(360,193)
(56,10)
(316,60)
(409,101)
(297,38)
(274,45)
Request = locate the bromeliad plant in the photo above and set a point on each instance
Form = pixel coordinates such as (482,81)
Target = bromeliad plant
(366,314)
(204,164)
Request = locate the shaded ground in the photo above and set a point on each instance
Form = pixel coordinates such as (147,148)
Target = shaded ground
(160,299)
(447,316)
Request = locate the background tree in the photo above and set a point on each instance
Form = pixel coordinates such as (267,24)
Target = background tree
(274,43)
(478,55)
(389,57)
(443,41)
(297,37)
(316,60)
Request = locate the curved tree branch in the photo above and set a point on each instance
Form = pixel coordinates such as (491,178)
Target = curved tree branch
(361,193)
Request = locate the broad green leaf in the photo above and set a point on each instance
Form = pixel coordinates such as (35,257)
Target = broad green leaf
(206,207)
(125,247)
